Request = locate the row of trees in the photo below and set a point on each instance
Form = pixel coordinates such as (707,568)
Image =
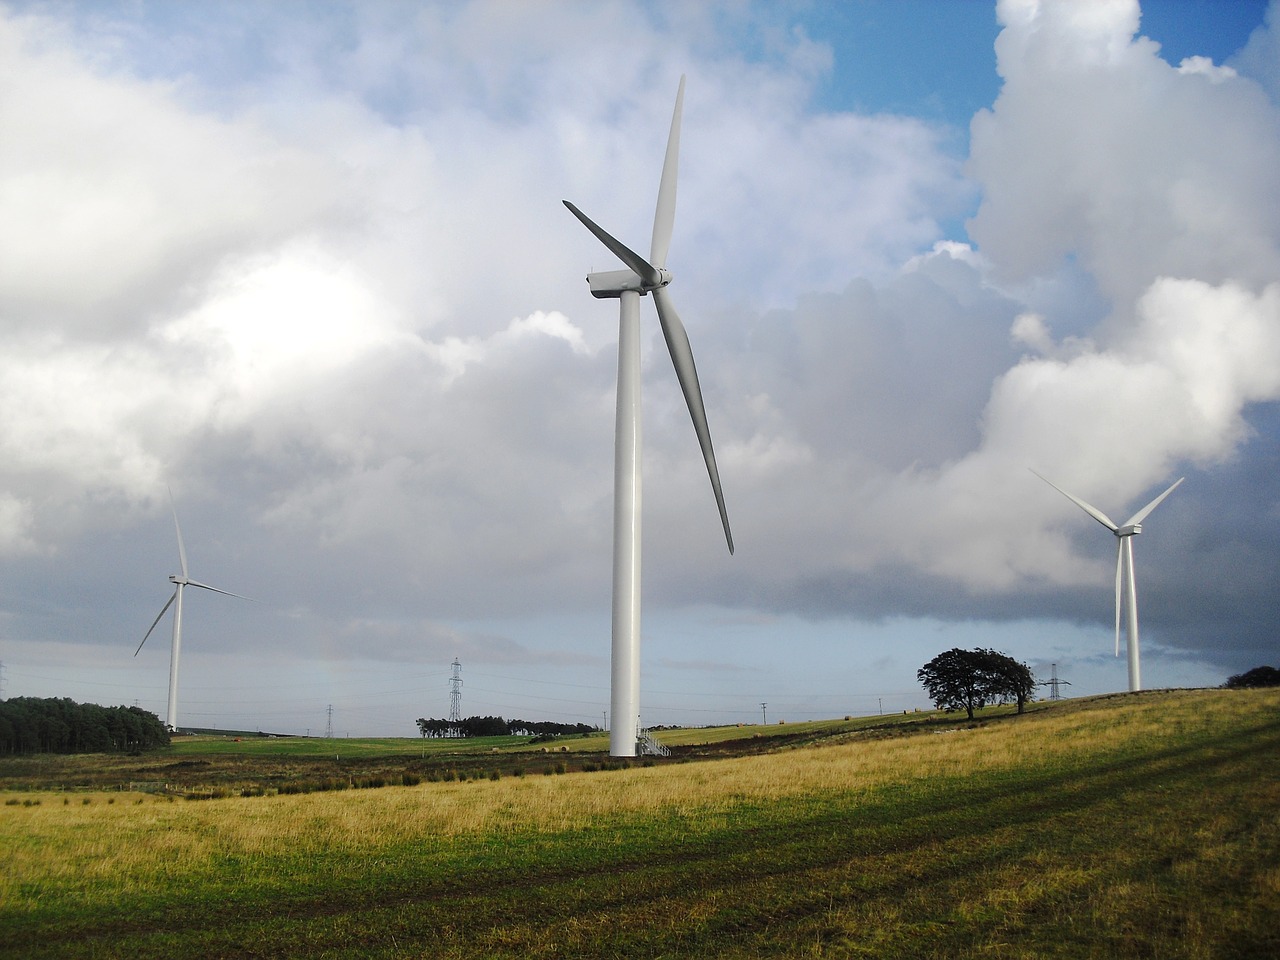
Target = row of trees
(971,679)
(35,725)
(497,727)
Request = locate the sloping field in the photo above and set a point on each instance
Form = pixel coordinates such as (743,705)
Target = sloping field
(1130,826)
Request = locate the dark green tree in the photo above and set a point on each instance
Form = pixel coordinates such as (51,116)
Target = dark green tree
(955,680)
(970,679)
(1257,677)
(1010,680)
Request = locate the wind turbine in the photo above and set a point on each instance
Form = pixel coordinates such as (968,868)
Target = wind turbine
(628,286)
(180,581)
(1126,584)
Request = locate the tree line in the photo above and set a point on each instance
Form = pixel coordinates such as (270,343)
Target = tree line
(497,727)
(970,679)
(36,725)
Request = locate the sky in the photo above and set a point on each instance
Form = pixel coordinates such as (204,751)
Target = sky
(306,266)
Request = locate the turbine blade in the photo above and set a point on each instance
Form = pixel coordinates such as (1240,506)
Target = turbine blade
(1119,580)
(225,593)
(682,358)
(643,269)
(1092,511)
(162,612)
(1142,514)
(664,217)
(182,551)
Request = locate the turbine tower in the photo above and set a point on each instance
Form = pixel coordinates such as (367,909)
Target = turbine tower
(628,286)
(175,600)
(1126,583)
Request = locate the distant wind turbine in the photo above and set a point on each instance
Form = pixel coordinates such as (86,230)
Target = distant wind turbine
(183,580)
(628,286)
(1126,584)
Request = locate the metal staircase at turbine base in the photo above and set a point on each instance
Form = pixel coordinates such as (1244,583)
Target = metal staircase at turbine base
(648,746)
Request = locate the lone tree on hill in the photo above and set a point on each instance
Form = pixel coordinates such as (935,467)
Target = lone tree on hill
(970,679)
(1257,677)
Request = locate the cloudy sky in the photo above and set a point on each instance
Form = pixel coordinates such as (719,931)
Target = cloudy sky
(306,265)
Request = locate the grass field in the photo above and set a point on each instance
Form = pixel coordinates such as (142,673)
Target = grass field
(1131,826)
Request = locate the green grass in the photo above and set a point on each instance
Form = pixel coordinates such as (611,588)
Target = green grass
(321,748)
(212,744)
(1133,826)
(209,744)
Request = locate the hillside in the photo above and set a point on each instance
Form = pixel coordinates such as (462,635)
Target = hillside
(1133,826)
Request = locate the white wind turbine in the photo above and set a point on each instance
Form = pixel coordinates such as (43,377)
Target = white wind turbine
(1126,584)
(628,286)
(180,581)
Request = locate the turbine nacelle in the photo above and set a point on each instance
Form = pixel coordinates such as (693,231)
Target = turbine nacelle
(612,284)
(1129,530)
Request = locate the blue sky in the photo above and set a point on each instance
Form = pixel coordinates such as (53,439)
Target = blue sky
(948,75)
(936,57)
(307,266)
